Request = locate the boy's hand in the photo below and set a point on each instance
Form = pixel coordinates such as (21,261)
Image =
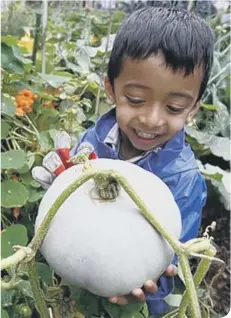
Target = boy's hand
(149,287)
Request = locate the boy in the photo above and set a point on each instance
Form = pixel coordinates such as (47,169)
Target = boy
(157,73)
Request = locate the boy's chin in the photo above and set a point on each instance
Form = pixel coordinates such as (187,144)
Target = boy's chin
(146,145)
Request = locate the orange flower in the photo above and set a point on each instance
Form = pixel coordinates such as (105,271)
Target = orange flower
(26,93)
(19,112)
(16,212)
(24,101)
(15,178)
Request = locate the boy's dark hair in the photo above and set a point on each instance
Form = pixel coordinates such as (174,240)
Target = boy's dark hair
(185,39)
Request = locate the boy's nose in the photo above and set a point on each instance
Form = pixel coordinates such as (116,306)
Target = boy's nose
(153,118)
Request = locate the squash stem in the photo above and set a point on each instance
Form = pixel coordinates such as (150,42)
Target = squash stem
(201,271)
(37,292)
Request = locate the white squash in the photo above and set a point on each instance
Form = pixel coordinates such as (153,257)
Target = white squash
(108,247)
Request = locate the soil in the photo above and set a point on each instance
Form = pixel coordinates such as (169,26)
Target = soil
(220,289)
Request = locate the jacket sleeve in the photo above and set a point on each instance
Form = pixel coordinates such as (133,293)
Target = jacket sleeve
(189,190)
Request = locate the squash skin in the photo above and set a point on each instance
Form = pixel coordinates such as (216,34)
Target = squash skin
(107,247)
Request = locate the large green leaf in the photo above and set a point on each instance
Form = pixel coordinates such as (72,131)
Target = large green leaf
(14,194)
(54,80)
(45,273)
(35,194)
(6,300)
(9,61)
(219,146)
(13,159)
(47,119)
(45,141)
(173,300)
(26,178)
(9,40)
(15,234)
(132,309)
(4,129)
(7,106)
(18,85)
(29,161)
(25,287)
(220,179)
(19,56)
(4,314)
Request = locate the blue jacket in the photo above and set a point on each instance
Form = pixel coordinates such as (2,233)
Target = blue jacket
(175,164)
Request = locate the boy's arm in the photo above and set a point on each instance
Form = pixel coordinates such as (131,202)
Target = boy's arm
(190,194)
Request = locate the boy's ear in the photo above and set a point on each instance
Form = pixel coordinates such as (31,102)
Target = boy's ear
(193,111)
(109,90)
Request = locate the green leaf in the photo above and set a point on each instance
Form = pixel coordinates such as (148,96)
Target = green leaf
(29,161)
(19,55)
(26,178)
(13,159)
(4,129)
(88,303)
(53,133)
(8,107)
(6,300)
(18,85)
(47,119)
(9,40)
(35,195)
(214,173)
(35,184)
(4,314)
(25,287)
(173,300)
(45,273)
(14,194)
(45,141)
(10,62)
(132,309)
(15,234)
(219,146)
(75,68)
(54,80)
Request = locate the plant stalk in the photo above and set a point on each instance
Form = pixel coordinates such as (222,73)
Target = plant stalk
(200,274)
(37,292)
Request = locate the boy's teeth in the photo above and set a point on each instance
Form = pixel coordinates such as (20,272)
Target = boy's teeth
(143,134)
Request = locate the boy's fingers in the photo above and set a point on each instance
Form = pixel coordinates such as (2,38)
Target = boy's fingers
(150,287)
(139,294)
(171,270)
(121,300)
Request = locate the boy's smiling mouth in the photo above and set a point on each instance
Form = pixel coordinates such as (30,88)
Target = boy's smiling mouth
(145,140)
(146,135)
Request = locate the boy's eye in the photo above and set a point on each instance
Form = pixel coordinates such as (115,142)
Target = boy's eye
(175,110)
(135,101)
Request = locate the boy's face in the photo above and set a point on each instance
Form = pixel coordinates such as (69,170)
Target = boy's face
(152,102)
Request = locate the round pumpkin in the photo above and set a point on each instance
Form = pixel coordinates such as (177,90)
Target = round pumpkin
(108,247)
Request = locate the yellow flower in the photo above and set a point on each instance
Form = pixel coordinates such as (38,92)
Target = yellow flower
(27,42)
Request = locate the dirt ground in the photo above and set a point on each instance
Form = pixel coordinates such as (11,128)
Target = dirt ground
(220,290)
